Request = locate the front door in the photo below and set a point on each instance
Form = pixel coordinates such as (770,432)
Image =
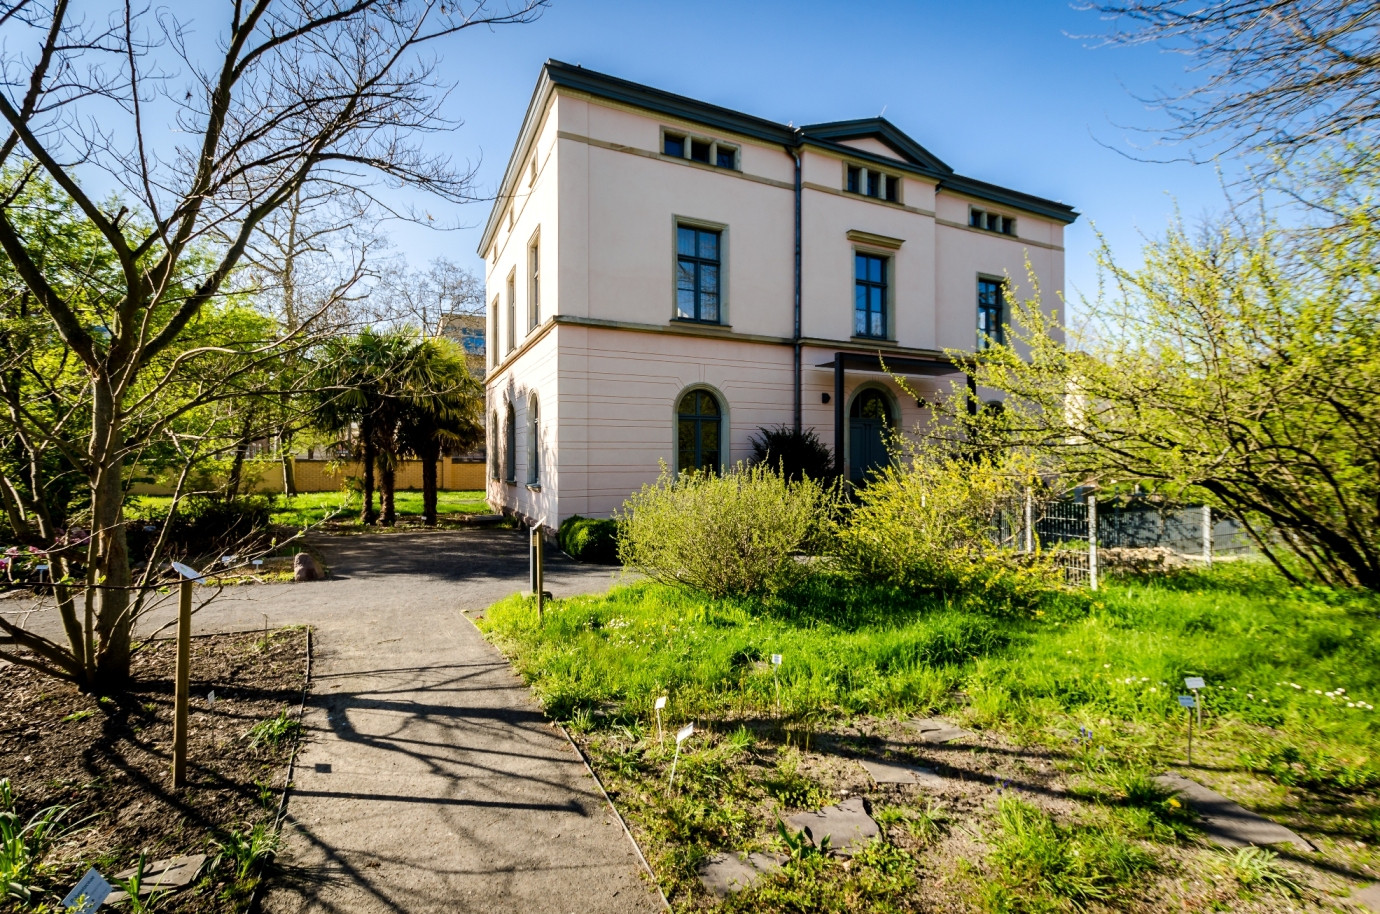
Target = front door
(868,422)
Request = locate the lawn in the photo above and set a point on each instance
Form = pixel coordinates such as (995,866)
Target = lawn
(311,508)
(1074,706)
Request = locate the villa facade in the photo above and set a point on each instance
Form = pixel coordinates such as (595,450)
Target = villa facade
(665,277)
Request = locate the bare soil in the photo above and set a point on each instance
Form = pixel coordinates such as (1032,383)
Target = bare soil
(109,761)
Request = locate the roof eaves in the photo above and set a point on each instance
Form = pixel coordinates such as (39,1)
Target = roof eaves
(540,92)
(1005,196)
(881,129)
(621,90)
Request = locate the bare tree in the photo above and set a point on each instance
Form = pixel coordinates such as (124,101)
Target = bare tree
(204,144)
(419,299)
(1278,75)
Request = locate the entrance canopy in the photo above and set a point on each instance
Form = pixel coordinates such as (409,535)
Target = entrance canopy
(934,367)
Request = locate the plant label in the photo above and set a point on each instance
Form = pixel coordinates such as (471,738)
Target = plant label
(257,562)
(775,659)
(660,703)
(88,894)
(1187,701)
(684,734)
(186,571)
(211,699)
(1193,683)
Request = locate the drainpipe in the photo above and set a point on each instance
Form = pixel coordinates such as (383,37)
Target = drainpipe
(794,152)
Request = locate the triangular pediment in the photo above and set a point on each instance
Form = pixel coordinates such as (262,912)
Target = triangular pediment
(879,130)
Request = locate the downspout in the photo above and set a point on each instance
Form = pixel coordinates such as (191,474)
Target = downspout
(794,152)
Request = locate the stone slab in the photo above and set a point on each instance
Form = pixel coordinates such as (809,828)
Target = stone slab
(897,773)
(169,875)
(937,730)
(1367,899)
(847,825)
(1226,822)
(723,874)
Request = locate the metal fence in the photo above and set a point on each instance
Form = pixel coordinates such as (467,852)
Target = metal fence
(1072,530)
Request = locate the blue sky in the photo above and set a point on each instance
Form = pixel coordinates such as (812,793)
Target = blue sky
(1002,91)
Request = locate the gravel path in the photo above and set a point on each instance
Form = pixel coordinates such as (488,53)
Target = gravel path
(429,780)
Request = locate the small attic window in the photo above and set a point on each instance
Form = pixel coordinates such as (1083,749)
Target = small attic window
(869,182)
(532,172)
(991,222)
(699,149)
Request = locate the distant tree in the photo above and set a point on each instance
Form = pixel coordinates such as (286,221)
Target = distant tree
(443,407)
(1278,75)
(205,143)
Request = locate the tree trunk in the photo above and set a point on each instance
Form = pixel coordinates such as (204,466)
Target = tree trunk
(387,479)
(289,468)
(107,652)
(366,432)
(429,455)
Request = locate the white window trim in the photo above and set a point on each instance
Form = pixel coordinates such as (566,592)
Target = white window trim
(702,225)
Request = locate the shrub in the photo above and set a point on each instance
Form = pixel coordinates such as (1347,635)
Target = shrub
(735,533)
(202,525)
(589,539)
(932,522)
(795,455)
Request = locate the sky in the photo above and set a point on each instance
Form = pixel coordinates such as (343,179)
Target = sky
(1016,93)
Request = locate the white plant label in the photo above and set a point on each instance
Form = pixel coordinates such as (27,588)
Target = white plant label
(1193,682)
(684,733)
(88,894)
(1187,701)
(211,698)
(186,571)
(660,703)
(257,562)
(775,659)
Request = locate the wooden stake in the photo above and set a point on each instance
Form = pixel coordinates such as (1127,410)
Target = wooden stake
(182,685)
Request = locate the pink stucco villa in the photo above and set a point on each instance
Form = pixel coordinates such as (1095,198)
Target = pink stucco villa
(666,276)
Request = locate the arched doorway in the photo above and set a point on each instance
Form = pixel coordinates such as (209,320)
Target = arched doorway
(868,420)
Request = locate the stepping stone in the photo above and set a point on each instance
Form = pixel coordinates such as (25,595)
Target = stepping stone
(169,875)
(935,730)
(1228,823)
(723,874)
(894,773)
(847,825)
(1367,899)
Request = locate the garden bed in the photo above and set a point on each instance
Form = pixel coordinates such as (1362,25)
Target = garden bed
(106,764)
(1050,806)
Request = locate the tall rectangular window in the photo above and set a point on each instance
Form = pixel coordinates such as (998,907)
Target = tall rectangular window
(869,295)
(990,320)
(697,274)
(493,346)
(512,312)
(534,285)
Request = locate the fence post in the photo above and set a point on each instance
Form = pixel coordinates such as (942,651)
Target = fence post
(1207,535)
(1092,541)
(1029,522)
(537,560)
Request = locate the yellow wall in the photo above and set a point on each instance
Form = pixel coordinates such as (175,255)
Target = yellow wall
(328,476)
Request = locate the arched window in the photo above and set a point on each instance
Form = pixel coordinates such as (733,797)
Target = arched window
(699,432)
(493,448)
(533,443)
(868,421)
(510,446)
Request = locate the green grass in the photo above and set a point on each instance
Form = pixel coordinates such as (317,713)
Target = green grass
(313,507)
(1089,681)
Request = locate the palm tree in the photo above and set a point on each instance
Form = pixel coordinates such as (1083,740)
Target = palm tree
(402,395)
(442,407)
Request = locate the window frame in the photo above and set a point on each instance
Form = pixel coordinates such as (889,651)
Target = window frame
(887,285)
(724,426)
(856,181)
(510,445)
(533,443)
(495,456)
(986,339)
(512,309)
(688,141)
(699,225)
(983,220)
(494,350)
(534,281)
